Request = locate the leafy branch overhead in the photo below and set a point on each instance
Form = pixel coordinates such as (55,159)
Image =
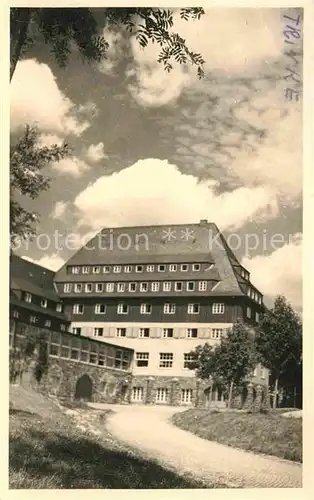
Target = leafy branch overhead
(60,28)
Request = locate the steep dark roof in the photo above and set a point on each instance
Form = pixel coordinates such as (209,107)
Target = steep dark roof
(32,278)
(148,244)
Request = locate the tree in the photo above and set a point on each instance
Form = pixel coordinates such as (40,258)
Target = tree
(279,343)
(61,27)
(230,362)
(27,159)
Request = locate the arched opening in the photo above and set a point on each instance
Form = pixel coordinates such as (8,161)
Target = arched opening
(84,388)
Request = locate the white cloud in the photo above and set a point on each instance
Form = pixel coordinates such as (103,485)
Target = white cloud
(279,273)
(114,53)
(72,166)
(278,160)
(36,99)
(53,262)
(96,152)
(152,191)
(59,209)
(49,140)
(230,40)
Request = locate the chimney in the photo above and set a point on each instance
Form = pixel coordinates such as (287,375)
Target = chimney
(203,222)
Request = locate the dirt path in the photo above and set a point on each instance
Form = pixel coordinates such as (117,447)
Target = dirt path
(149,429)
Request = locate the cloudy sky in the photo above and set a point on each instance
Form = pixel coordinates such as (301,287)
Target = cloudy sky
(156,148)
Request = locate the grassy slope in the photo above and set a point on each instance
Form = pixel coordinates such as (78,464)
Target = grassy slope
(48,450)
(270,433)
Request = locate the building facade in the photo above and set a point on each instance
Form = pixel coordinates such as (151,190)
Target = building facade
(160,291)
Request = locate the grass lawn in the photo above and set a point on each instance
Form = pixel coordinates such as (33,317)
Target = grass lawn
(49,450)
(269,433)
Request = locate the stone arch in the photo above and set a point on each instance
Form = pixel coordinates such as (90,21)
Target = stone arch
(84,388)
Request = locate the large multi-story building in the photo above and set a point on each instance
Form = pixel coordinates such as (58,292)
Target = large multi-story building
(160,291)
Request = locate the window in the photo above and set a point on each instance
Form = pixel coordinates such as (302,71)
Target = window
(99,287)
(161,268)
(193,308)
(190,286)
(122,309)
(196,267)
(144,332)
(77,287)
(88,287)
(167,333)
(150,268)
(257,317)
(85,270)
(98,332)
(172,268)
(138,269)
(33,319)
(43,303)
(218,308)
(121,332)
(76,330)
(146,308)
(96,269)
(144,287)
(186,396)
(216,333)
(54,350)
(191,333)
(256,371)
(15,314)
(100,309)
(184,267)
(132,287)
(202,286)
(28,297)
(78,309)
(162,395)
(106,269)
(167,286)
(117,269)
(155,286)
(127,269)
(142,359)
(67,287)
(47,323)
(109,287)
(263,372)
(62,328)
(121,287)
(75,270)
(248,312)
(169,308)
(178,286)
(59,308)
(188,359)
(137,394)
(165,360)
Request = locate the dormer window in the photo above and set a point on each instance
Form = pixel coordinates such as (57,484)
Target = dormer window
(59,308)
(196,267)
(67,287)
(167,286)
(190,286)
(88,287)
(127,269)
(178,286)
(117,269)
(43,303)
(75,270)
(150,268)
(144,287)
(173,268)
(28,297)
(139,269)
(106,269)
(132,287)
(99,287)
(184,267)
(109,287)
(96,269)
(161,268)
(77,287)
(85,270)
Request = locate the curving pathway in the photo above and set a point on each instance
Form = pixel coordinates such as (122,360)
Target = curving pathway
(149,429)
